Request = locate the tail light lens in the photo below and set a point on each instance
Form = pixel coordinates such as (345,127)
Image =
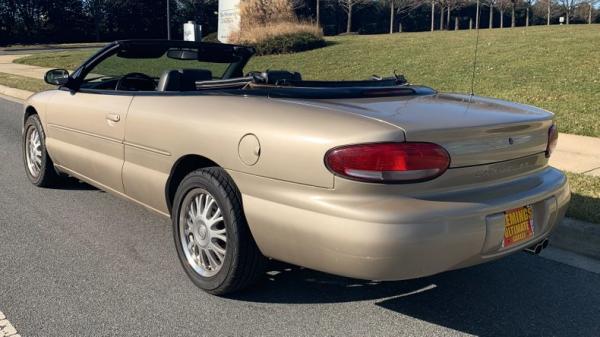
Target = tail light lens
(552,140)
(388,162)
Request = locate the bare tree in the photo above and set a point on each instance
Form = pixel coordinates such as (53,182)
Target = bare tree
(347,6)
(450,6)
(502,6)
(442,9)
(399,7)
(591,4)
(568,6)
(528,5)
(432,15)
(491,4)
(513,4)
(318,14)
(477,15)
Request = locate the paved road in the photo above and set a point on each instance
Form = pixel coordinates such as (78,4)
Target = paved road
(79,262)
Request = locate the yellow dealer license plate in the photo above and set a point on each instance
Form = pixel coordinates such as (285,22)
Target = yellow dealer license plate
(518,225)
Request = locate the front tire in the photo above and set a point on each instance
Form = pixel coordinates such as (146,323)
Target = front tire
(212,237)
(38,165)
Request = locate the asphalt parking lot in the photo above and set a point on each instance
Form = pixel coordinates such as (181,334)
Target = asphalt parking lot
(77,261)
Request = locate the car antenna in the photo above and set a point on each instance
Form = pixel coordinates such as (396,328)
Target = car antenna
(475,52)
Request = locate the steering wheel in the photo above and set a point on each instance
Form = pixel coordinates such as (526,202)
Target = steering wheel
(126,80)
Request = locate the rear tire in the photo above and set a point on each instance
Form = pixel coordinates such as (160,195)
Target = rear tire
(38,164)
(212,237)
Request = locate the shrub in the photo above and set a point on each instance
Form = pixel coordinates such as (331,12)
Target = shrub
(271,27)
(265,12)
(288,43)
(280,38)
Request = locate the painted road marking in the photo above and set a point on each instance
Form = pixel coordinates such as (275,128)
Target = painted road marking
(7,329)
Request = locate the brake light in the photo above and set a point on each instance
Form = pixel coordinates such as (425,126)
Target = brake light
(388,162)
(552,140)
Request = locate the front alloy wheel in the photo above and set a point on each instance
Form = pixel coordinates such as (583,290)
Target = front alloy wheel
(38,165)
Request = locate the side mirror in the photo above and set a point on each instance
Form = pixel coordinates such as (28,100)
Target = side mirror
(57,77)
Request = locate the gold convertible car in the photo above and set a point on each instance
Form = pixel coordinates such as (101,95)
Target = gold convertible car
(374,179)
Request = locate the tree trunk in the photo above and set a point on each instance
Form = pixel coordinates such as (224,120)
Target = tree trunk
(548,13)
(456,23)
(470,23)
(441,17)
(391,17)
(590,14)
(349,22)
(448,19)
(168,20)
(432,15)
(477,16)
(568,16)
(318,13)
(491,23)
(527,17)
(512,16)
(400,28)
(501,17)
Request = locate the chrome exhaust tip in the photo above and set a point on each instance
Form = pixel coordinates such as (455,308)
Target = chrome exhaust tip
(537,248)
(545,243)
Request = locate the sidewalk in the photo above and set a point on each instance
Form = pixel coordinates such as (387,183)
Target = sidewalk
(578,154)
(7,66)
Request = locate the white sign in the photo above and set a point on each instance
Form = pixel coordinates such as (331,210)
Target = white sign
(561,19)
(191,31)
(229,18)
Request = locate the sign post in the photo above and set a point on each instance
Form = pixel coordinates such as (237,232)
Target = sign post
(229,18)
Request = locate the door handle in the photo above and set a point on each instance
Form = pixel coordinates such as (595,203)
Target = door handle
(113,117)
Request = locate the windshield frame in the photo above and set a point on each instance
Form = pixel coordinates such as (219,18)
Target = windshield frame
(235,69)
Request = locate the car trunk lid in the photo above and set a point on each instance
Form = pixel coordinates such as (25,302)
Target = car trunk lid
(474,130)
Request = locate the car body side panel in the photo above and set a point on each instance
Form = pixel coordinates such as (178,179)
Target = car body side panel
(39,102)
(293,139)
(79,136)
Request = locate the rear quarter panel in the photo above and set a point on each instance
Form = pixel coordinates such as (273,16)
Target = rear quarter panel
(293,139)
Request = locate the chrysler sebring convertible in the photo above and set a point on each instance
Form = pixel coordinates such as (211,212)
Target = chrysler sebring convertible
(374,179)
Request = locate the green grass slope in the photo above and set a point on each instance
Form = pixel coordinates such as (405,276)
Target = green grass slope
(556,68)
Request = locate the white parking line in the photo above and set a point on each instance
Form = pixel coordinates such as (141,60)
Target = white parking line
(6,328)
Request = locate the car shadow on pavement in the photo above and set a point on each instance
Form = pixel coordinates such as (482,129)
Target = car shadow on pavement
(520,295)
(73,184)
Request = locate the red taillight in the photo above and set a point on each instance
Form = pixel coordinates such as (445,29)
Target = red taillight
(552,140)
(388,162)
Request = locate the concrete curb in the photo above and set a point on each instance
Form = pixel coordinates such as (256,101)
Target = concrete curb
(16,93)
(577,236)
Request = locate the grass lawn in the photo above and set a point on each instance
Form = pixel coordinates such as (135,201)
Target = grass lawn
(585,202)
(556,68)
(21,82)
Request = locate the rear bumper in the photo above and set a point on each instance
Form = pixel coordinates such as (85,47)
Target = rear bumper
(395,237)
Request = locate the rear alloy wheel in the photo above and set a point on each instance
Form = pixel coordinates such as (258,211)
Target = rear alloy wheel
(38,165)
(202,232)
(212,238)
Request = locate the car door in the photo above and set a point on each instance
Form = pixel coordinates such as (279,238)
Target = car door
(85,133)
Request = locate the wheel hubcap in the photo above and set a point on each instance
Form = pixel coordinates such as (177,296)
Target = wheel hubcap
(202,232)
(33,152)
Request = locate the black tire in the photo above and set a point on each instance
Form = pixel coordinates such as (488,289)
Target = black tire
(47,176)
(243,263)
